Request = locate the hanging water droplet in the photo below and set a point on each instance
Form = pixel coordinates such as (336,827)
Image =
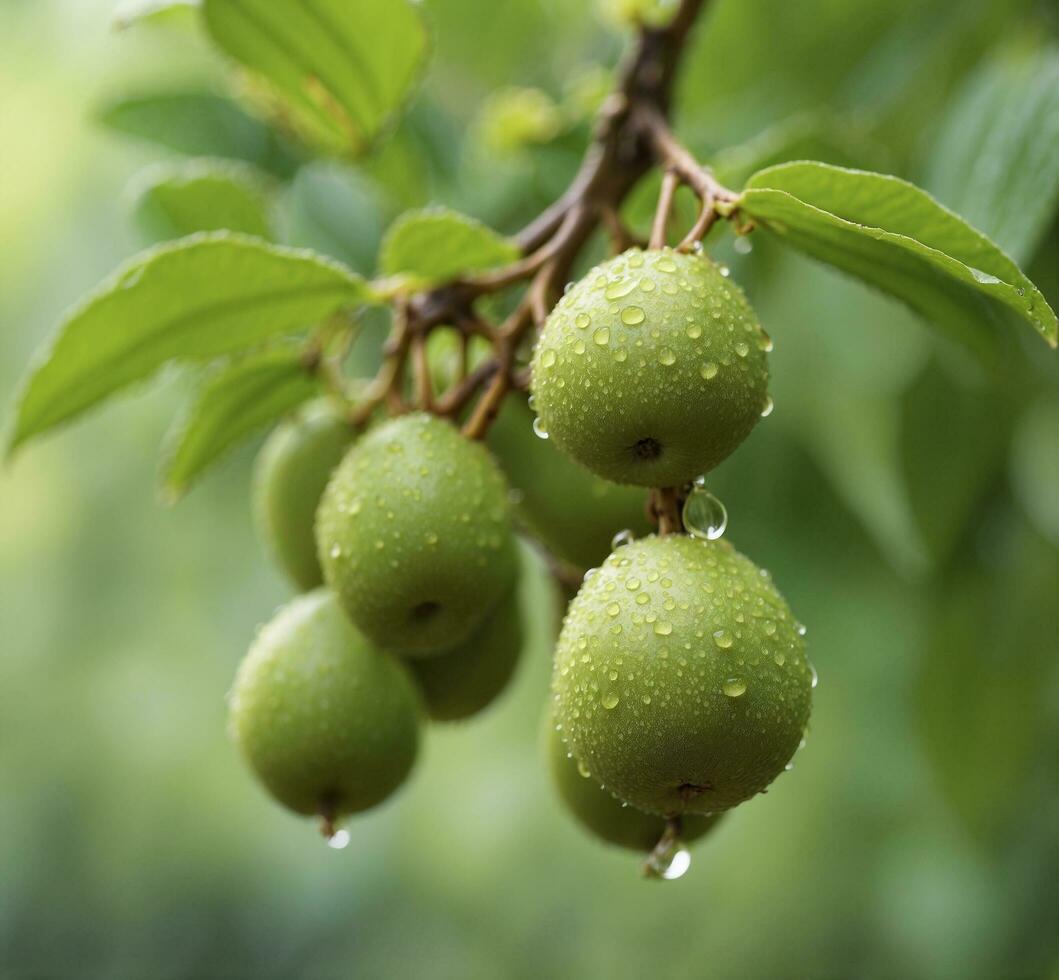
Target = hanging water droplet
(697,247)
(788,767)
(766,409)
(725,271)
(743,245)
(704,515)
(621,539)
(568,287)
(815,677)
(670,863)
(764,342)
(339,840)
(800,629)
(589,574)
(538,429)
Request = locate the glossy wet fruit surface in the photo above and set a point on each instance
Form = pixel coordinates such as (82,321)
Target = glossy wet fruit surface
(652,369)
(328,723)
(681,681)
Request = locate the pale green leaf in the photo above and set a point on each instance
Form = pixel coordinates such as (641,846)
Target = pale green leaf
(233,404)
(897,238)
(342,69)
(192,300)
(133,12)
(174,200)
(996,155)
(437,244)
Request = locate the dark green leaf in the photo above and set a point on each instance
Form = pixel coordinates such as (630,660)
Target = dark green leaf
(233,404)
(898,238)
(438,244)
(172,201)
(192,300)
(199,124)
(343,69)
(996,156)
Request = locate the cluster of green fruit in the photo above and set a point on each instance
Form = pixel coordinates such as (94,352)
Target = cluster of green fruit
(681,686)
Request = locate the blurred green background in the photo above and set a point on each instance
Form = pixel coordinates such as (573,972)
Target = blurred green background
(905,499)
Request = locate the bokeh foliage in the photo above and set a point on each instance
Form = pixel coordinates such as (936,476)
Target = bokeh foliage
(903,496)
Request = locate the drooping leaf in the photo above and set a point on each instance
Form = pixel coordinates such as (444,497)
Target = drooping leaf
(192,300)
(342,69)
(897,238)
(153,11)
(233,404)
(996,156)
(437,244)
(199,124)
(172,201)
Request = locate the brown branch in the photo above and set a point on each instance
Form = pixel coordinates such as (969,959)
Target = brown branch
(670,183)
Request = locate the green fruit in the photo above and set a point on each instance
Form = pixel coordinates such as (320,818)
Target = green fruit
(291,472)
(464,681)
(329,724)
(602,814)
(414,535)
(652,369)
(681,680)
(571,511)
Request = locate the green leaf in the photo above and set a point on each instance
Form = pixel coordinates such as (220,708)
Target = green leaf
(234,403)
(996,156)
(897,238)
(342,69)
(133,12)
(199,124)
(172,201)
(436,244)
(192,300)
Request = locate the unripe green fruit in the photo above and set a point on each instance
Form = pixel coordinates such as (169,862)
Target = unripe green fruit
(464,681)
(329,724)
(572,512)
(602,814)
(681,681)
(652,369)
(290,475)
(414,535)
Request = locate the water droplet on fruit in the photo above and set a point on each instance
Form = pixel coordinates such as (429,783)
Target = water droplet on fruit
(667,357)
(764,342)
(621,539)
(666,264)
(538,429)
(663,628)
(602,336)
(610,700)
(723,638)
(742,348)
(709,370)
(815,677)
(548,358)
(725,271)
(767,407)
(704,515)
(582,320)
(582,770)
(633,316)
(800,629)
(734,687)
(616,290)
(339,840)
(693,330)
(743,245)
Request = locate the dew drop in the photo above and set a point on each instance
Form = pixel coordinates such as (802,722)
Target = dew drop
(582,770)
(547,358)
(666,264)
(743,245)
(693,330)
(815,679)
(663,628)
(339,840)
(704,515)
(538,429)
(633,316)
(767,407)
(742,348)
(725,271)
(621,539)
(764,342)
(666,356)
(613,609)
(734,687)
(984,277)
(678,866)
(632,584)
(709,370)
(601,337)
(800,629)
(779,657)
(582,320)
(723,638)
(619,289)
(579,347)
(610,700)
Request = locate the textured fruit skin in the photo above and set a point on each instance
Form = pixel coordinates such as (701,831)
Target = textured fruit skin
(415,537)
(329,724)
(652,369)
(290,475)
(646,652)
(459,684)
(603,815)
(572,512)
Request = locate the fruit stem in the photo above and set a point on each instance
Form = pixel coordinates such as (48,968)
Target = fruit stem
(665,506)
(658,861)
